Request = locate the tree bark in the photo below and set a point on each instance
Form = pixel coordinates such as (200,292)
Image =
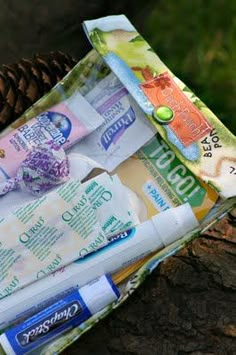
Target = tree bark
(187,306)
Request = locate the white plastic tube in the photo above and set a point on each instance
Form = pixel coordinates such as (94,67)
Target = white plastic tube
(123,249)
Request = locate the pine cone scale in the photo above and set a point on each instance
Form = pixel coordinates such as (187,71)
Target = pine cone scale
(23,83)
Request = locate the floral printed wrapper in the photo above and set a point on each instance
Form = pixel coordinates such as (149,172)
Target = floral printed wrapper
(133,61)
(199,139)
(45,167)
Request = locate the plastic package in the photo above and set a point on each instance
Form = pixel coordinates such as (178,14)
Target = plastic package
(123,249)
(60,227)
(162,181)
(112,142)
(64,124)
(207,154)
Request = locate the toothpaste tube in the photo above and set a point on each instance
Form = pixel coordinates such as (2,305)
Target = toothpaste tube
(59,228)
(158,180)
(123,249)
(125,128)
(65,124)
(66,313)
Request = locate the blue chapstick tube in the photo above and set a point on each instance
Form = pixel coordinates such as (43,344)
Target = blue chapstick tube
(63,315)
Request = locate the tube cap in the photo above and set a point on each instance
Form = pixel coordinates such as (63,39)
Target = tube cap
(174,223)
(99,293)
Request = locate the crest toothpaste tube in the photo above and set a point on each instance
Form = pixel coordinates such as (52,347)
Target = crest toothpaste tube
(123,249)
(66,313)
(64,123)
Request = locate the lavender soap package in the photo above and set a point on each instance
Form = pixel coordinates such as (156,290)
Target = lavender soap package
(141,168)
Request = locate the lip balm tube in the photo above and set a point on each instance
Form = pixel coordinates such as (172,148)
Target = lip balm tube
(65,124)
(66,313)
(123,249)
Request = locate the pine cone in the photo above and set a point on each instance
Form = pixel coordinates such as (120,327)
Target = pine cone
(23,83)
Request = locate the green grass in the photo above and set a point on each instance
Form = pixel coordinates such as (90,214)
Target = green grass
(197,41)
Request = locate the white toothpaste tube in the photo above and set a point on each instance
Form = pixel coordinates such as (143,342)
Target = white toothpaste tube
(60,227)
(122,250)
(125,128)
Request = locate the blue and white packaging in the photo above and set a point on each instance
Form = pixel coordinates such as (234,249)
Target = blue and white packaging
(123,249)
(72,310)
(119,136)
